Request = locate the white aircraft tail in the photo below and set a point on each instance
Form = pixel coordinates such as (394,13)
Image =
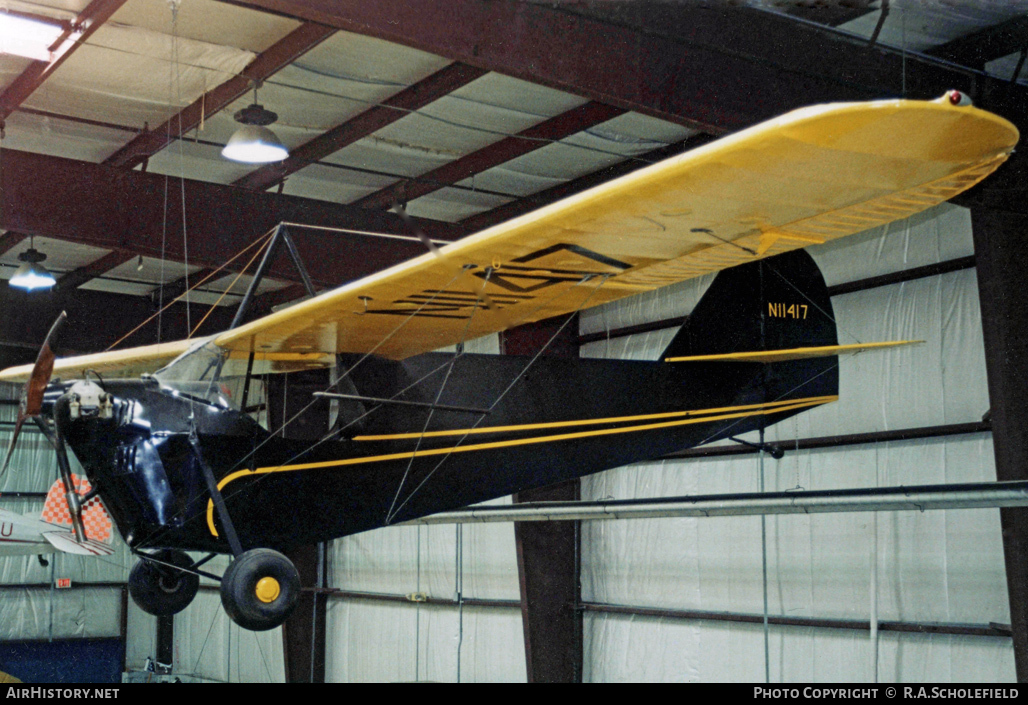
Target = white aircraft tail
(66,542)
(96,522)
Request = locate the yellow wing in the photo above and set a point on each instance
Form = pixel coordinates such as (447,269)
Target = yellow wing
(812,175)
(129,362)
(132,362)
(807,177)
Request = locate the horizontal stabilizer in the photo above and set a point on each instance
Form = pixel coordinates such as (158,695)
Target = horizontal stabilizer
(65,541)
(793,353)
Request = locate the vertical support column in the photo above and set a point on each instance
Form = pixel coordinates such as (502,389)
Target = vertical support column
(548,552)
(166,642)
(999,239)
(303,634)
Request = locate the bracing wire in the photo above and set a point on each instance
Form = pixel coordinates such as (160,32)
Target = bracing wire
(260,649)
(459,582)
(506,390)
(439,394)
(214,620)
(177,88)
(813,303)
(164,307)
(228,289)
(189,505)
(148,540)
(528,315)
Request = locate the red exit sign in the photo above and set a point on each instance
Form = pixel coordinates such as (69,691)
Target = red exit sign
(63,582)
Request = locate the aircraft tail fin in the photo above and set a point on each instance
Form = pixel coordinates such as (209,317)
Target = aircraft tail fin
(753,313)
(776,303)
(96,522)
(66,542)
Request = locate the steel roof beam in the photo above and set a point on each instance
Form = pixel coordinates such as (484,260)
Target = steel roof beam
(1003,298)
(77,277)
(712,69)
(280,54)
(830,14)
(88,21)
(10,240)
(413,97)
(113,208)
(545,133)
(95,320)
(173,289)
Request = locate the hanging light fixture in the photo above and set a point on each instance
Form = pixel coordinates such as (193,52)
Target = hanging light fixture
(254,143)
(32,275)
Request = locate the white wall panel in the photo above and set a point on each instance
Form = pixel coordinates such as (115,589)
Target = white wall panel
(209,645)
(141,642)
(933,566)
(391,642)
(643,649)
(35,613)
(939,566)
(387,561)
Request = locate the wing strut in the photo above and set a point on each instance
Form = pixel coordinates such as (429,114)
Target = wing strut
(219,501)
(281,235)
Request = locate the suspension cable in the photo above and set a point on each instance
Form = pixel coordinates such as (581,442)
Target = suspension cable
(180,296)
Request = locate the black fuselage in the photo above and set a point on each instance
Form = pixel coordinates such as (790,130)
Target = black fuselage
(549,421)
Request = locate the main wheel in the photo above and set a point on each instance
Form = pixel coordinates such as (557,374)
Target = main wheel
(161,589)
(260,589)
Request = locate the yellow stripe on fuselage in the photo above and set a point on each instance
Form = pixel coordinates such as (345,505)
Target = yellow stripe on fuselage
(581,422)
(733,413)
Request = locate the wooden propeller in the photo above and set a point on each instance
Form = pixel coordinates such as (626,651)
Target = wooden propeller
(32,396)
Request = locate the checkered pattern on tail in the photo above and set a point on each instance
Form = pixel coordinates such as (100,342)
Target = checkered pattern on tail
(95,520)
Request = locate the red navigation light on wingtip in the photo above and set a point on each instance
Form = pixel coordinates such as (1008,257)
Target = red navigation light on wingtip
(958,98)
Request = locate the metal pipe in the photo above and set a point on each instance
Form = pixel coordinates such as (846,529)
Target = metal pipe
(294,255)
(262,269)
(957,629)
(882,499)
(421,599)
(901,434)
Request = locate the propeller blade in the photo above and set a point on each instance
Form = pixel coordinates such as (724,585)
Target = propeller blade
(32,401)
(32,396)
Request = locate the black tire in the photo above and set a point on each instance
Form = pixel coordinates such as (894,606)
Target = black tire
(160,589)
(239,589)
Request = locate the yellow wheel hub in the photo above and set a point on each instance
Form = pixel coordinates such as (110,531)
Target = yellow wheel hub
(268,590)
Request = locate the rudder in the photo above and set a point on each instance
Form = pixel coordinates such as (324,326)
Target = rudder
(777,303)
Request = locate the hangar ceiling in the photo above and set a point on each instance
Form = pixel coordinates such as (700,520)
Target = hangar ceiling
(111,151)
